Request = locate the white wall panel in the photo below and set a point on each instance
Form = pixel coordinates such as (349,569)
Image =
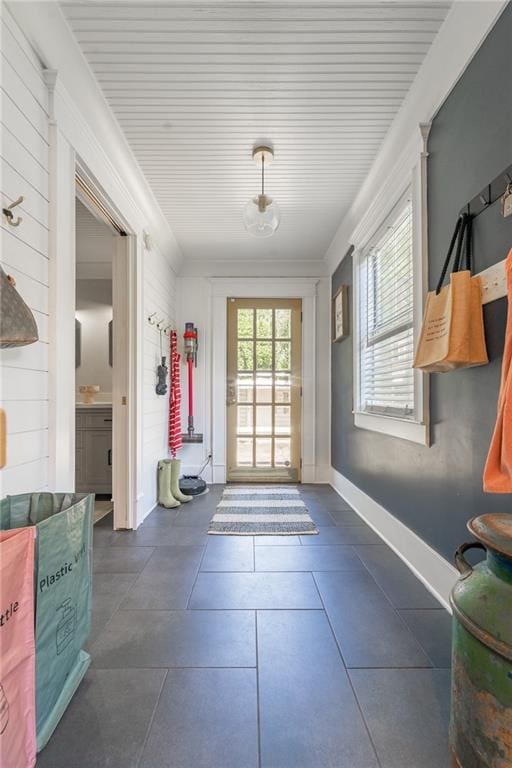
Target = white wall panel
(159,295)
(24,152)
(36,204)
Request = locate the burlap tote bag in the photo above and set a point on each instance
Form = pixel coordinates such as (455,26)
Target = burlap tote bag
(452,333)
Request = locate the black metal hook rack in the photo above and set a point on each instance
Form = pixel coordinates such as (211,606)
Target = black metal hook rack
(489,195)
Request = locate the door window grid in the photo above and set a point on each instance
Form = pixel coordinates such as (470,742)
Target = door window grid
(259,352)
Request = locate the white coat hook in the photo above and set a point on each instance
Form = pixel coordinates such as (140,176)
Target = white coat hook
(151,318)
(493,281)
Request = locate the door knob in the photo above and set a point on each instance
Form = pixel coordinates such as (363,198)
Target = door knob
(231,395)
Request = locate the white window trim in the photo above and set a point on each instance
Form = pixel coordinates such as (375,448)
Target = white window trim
(410,177)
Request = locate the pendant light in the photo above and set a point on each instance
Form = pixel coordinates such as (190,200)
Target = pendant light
(261,214)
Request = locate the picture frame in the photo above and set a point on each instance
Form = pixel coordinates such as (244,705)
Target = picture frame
(340,314)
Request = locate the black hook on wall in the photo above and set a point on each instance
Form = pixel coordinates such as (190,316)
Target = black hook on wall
(490,194)
(7,212)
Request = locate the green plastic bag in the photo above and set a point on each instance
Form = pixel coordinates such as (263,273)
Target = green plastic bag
(63,583)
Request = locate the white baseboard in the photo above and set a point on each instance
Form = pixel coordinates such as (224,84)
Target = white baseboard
(428,566)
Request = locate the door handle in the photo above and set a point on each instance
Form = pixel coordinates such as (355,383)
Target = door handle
(231,395)
(109,457)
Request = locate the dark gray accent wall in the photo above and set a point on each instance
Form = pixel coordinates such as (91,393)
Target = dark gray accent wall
(435,490)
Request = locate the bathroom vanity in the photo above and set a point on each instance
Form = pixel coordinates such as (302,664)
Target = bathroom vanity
(93,464)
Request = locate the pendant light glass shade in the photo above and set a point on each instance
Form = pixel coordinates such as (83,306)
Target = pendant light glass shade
(261,215)
(261,218)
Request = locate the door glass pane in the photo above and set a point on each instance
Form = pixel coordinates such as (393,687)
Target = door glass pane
(283,356)
(263,452)
(245,323)
(244,388)
(283,323)
(263,419)
(263,355)
(283,388)
(264,388)
(245,355)
(244,420)
(263,404)
(244,451)
(282,422)
(282,451)
(264,323)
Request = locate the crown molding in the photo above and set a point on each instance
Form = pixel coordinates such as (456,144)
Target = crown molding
(274,268)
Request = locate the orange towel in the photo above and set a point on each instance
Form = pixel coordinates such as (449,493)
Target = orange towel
(498,467)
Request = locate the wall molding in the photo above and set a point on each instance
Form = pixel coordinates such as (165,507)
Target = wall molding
(436,573)
(291,268)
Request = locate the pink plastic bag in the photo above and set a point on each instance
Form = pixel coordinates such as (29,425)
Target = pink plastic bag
(17,649)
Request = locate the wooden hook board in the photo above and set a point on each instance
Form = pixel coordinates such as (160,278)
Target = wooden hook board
(494,282)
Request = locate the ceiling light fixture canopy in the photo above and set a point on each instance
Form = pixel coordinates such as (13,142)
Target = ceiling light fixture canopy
(261,214)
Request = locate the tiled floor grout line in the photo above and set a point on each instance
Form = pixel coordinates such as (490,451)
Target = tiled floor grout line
(367,728)
(104,669)
(397,613)
(258,719)
(197,575)
(151,719)
(256,760)
(199,610)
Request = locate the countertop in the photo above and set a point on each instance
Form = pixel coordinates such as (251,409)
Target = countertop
(92,406)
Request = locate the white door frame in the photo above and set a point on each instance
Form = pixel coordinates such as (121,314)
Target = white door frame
(278,288)
(124,381)
(64,160)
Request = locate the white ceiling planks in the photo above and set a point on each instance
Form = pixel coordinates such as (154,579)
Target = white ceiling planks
(195,86)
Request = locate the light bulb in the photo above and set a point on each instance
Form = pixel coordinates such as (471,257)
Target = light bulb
(261,216)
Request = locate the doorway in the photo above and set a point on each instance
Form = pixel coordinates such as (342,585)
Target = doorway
(264,390)
(93,359)
(104,354)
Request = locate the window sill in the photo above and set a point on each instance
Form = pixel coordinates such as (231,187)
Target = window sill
(387,425)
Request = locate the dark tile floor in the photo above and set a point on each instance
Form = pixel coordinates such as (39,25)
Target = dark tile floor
(257,652)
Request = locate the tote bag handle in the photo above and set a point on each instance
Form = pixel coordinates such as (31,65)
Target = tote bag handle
(461,235)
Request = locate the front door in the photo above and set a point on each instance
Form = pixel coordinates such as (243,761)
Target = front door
(264,390)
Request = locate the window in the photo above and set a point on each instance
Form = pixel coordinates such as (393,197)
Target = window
(388,391)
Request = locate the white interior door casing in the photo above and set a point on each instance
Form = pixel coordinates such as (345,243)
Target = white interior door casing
(305,289)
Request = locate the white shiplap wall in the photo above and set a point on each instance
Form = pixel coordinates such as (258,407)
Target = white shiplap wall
(24,171)
(24,371)
(159,290)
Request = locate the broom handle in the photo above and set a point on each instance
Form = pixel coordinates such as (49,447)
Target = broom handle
(190,395)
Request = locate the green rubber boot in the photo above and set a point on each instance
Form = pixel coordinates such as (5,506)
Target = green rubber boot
(175,485)
(165,496)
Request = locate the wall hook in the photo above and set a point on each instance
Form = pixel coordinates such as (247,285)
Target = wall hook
(7,212)
(486,200)
(151,318)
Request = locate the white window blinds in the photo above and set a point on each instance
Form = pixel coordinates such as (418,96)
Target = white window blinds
(386,377)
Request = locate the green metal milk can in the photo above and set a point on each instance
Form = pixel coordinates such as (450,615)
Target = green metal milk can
(481,711)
